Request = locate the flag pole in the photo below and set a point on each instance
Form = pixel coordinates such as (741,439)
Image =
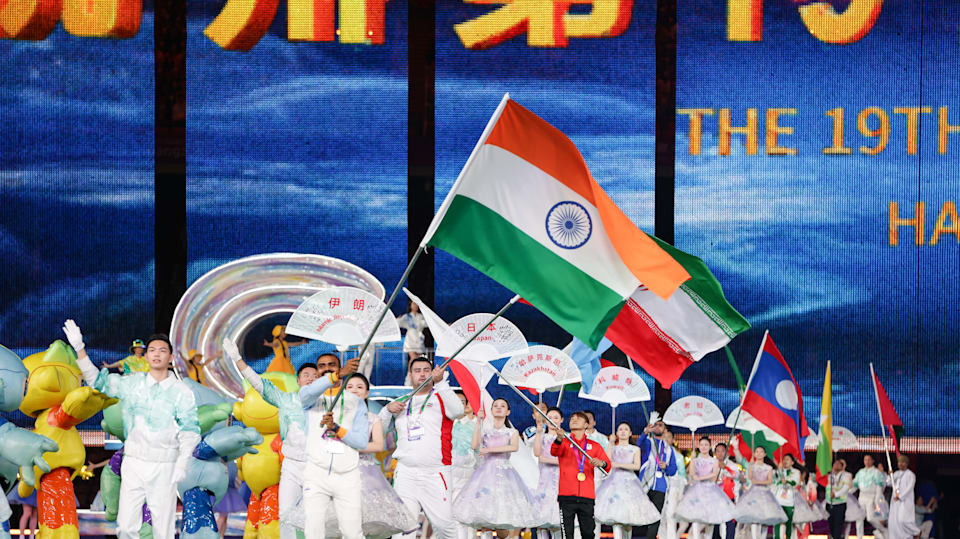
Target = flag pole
(747,387)
(383,314)
(876,396)
(543,415)
(434,224)
(560,397)
(446,363)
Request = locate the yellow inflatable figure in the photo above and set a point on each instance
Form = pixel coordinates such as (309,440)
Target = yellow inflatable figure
(261,471)
(55,397)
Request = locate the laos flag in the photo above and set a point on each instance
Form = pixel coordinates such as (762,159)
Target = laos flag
(774,399)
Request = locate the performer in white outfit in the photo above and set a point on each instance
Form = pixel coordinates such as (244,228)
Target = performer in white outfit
(160,423)
(757,506)
(464,456)
(424,427)
(384,513)
(414,323)
(704,505)
(593,434)
(293,426)
(336,433)
(870,482)
(621,500)
(545,496)
(902,521)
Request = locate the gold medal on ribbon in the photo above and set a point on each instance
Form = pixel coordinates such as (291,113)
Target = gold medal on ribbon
(581,476)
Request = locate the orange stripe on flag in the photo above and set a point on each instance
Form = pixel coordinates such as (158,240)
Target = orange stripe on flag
(529,137)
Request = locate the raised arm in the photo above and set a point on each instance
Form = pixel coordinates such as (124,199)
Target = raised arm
(452,407)
(101,380)
(475,441)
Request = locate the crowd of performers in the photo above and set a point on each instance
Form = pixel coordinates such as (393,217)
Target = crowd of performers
(451,465)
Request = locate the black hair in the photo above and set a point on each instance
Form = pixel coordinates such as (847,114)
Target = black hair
(555,409)
(359,375)
(724,444)
(306,366)
(424,359)
(506,420)
(702,438)
(580,414)
(330,354)
(623,423)
(160,337)
(592,415)
(793,458)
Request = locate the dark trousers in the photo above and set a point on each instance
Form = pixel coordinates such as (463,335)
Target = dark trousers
(582,509)
(731,529)
(837,514)
(650,531)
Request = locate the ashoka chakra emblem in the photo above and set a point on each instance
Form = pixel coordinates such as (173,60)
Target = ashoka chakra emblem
(568,224)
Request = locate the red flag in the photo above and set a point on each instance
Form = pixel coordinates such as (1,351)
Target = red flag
(468,383)
(888,416)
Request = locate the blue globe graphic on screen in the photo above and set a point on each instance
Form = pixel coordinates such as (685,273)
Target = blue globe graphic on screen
(568,224)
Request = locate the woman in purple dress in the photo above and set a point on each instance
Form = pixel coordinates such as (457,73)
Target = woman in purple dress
(622,501)
(495,497)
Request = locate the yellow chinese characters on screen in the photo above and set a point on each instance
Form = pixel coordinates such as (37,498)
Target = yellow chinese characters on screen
(546,23)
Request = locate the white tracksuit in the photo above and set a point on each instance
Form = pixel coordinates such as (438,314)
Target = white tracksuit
(331,474)
(424,455)
(161,429)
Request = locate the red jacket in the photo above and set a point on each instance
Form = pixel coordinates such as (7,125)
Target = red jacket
(569,467)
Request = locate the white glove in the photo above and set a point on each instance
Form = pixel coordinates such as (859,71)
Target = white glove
(231,350)
(179,474)
(73,334)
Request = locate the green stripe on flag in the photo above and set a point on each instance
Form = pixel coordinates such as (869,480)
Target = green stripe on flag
(482,238)
(705,291)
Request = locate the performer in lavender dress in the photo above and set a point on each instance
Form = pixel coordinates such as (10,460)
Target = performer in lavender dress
(545,498)
(464,457)
(757,506)
(704,504)
(495,497)
(622,501)
(383,512)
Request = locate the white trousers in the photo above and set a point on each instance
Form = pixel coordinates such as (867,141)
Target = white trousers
(427,490)
(291,498)
(322,487)
(290,494)
(148,482)
(868,499)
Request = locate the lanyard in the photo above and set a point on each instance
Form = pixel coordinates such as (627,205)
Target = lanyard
(422,406)
(580,460)
(326,409)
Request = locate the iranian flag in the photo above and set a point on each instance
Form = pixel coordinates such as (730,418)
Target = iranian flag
(665,337)
(526,211)
(825,447)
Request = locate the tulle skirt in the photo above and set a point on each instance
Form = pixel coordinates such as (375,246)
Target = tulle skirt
(804,512)
(496,498)
(704,502)
(854,511)
(621,500)
(383,512)
(545,504)
(758,506)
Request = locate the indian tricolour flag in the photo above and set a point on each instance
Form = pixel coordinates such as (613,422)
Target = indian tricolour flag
(526,211)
